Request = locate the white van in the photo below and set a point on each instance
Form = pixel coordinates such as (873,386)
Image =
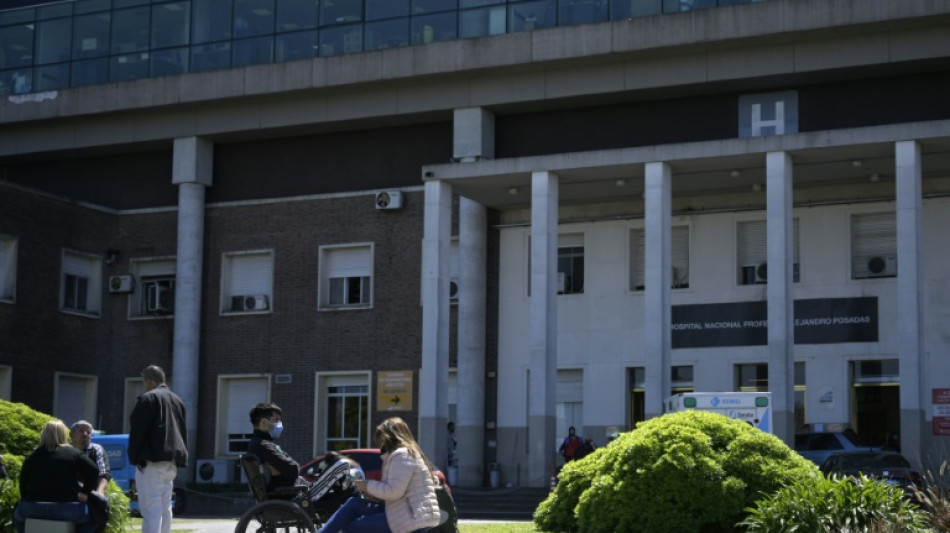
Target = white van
(752,407)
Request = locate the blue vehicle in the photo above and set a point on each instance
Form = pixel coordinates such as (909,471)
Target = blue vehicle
(123,472)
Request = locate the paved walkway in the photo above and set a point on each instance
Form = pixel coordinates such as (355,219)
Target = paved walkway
(226,525)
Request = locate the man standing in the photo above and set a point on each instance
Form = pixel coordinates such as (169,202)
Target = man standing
(158,447)
(282,470)
(80,436)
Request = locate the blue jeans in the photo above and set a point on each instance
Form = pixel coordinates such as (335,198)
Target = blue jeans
(67,512)
(374,523)
(353,510)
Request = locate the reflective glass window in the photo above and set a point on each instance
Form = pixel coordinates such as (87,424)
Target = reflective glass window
(675,6)
(297,14)
(252,51)
(386,34)
(16,16)
(574,12)
(529,16)
(130,31)
(341,40)
(420,7)
(16,46)
(91,36)
(478,3)
(434,28)
(340,11)
(53,41)
(294,46)
(481,22)
(210,56)
(385,9)
(119,4)
(624,9)
(128,67)
(90,72)
(169,62)
(53,11)
(253,17)
(92,6)
(170,24)
(211,21)
(19,81)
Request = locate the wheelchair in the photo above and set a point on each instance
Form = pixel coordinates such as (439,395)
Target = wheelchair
(287,510)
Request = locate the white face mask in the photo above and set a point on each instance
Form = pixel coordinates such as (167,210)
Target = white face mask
(277,430)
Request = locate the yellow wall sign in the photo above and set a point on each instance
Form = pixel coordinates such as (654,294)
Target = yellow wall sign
(394,390)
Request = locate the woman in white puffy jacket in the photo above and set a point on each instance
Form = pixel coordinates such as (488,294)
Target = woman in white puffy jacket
(407,485)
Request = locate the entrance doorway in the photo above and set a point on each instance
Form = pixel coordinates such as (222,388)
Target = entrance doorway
(635,406)
(875,402)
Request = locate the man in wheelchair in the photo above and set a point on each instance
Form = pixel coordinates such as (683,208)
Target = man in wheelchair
(280,469)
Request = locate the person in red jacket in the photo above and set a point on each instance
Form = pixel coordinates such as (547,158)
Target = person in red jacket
(570,445)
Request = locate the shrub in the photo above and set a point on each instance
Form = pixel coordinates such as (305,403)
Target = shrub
(838,504)
(685,471)
(935,499)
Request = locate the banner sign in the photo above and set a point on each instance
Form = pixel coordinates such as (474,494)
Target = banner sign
(941,412)
(394,390)
(817,321)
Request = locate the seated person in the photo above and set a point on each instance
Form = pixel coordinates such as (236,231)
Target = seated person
(280,469)
(80,436)
(55,482)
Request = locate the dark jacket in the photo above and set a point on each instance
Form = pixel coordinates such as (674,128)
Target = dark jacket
(158,430)
(57,476)
(270,453)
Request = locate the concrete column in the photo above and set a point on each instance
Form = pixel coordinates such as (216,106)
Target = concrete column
(657,276)
(781,304)
(914,390)
(470,423)
(542,369)
(192,172)
(434,375)
(473,134)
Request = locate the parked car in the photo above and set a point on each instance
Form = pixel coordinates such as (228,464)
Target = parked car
(123,472)
(890,467)
(817,447)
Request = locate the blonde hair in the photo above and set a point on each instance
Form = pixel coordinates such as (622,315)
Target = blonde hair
(394,433)
(54,434)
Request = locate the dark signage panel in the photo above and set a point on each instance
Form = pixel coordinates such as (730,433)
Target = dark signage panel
(817,321)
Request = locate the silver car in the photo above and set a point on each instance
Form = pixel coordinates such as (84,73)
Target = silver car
(817,447)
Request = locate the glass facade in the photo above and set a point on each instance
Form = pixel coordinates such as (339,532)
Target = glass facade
(87,42)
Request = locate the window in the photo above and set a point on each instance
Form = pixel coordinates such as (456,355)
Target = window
(6,381)
(236,395)
(154,294)
(81,283)
(681,379)
(343,411)
(570,403)
(8,253)
(75,397)
(570,264)
(454,271)
(247,281)
(753,252)
(873,245)
(800,404)
(679,255)
(134,387)
(346,274)
(752,377)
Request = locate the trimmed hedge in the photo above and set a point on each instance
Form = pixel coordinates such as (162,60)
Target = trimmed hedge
(684,471)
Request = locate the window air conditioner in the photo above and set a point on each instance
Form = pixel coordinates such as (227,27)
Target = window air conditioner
(762,273)
(454,289)
(213,471)
(389,200)
(881,266)
(158,299)
(249,302)
(121,283)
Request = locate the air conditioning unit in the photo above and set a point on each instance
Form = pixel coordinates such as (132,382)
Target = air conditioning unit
(249,302)
(121,283)
(214,471)
(761,272)
(389,200)
(882,265)
(454,289)
(158,299)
